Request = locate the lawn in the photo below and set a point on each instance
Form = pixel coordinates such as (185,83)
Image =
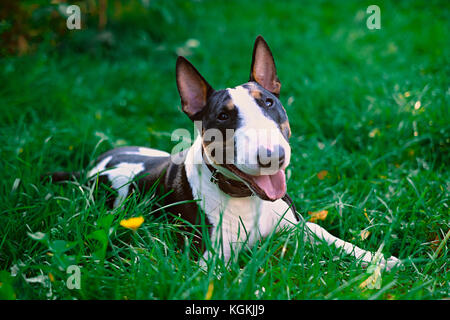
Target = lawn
(369,113)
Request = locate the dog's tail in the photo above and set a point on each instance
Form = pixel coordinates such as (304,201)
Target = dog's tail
(59,176)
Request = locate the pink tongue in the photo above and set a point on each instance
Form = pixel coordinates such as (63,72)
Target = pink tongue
(274,186)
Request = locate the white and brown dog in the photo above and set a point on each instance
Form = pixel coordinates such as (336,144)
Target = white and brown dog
(235,168)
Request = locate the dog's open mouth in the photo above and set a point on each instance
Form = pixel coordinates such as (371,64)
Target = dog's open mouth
(267,187)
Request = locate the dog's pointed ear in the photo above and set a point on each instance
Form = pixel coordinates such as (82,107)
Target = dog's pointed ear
(192,87)
(263,69)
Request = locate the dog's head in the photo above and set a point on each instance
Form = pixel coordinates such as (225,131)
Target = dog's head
(244,130)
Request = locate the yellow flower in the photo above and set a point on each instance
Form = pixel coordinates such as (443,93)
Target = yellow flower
(322,174)
(373,281)
(209,293)
(318,215)
(375,132)
(364,234)
(367,217)
(132,223)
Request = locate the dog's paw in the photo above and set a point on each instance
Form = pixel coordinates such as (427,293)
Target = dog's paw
(390,263)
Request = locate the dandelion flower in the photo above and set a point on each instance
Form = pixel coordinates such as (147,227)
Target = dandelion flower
(132,223)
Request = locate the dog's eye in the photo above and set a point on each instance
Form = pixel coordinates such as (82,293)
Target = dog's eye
(223,116)
(269,102)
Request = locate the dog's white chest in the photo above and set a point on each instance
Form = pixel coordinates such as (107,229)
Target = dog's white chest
(242,220)
(233,219)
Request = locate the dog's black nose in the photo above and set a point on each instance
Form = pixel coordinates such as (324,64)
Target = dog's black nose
(266,158)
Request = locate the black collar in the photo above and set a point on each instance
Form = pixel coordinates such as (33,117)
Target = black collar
(231,187)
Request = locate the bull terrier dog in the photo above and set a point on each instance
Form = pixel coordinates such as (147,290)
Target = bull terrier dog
(233,173)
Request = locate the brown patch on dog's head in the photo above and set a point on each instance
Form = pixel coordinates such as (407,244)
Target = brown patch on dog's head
(256,94)
(230,105)
(286,129)
(254,91)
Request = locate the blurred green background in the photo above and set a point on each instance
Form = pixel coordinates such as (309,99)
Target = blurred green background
(369,111)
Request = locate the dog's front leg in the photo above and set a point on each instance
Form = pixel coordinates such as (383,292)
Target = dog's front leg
(314,232)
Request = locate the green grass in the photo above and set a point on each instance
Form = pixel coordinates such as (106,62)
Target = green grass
(350,94)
